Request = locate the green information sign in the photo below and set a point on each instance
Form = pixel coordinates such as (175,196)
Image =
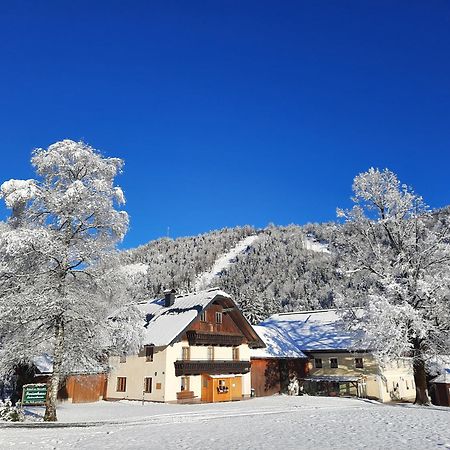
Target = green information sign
(34,394)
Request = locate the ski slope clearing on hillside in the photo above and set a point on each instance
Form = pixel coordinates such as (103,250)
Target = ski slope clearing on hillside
(261,423)
(204,279)
(315,246)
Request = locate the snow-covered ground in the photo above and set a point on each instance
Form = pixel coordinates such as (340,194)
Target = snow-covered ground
(204,279)
(261,423)
(315,246)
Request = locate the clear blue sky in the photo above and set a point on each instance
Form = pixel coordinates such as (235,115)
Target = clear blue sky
(231,112)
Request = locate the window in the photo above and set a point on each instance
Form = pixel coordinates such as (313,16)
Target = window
(211,353)
(148,385)
(123,358)
(333,363)
(218,317)
(185,383)
(222,387)
(186,354)
(359,364)
(203,316)
(121,384)
(149,353)
(318,363)
(236,354)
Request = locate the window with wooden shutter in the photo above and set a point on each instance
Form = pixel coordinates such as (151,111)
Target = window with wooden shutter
(148,385)
(186,354)
(121,384)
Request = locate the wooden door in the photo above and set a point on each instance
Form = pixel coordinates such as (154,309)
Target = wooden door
(236,388)
(207,387)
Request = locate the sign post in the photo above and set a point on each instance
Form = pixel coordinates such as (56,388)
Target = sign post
(34,394)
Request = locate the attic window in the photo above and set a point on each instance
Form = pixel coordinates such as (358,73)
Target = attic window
(149,353)
(218,317)
(318,363)
(333,363)
(203,316)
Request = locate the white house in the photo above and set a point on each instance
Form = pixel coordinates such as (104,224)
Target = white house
(197,348)
(337,363)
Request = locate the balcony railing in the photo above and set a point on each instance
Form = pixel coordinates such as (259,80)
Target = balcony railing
(211,367)
(212,338)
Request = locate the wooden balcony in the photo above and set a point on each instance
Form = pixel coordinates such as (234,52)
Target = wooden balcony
(213,338)
(216,367)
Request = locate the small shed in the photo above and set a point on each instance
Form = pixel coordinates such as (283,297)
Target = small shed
(440,389)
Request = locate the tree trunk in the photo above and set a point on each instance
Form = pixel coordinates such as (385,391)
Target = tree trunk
(50,407)
(420,379)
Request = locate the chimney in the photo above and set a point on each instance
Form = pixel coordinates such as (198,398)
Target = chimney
(169,297)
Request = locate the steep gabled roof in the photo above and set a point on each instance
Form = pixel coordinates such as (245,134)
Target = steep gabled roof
(164,324)
(278,345)
(311,331)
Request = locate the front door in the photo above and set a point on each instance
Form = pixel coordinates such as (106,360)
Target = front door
(207,386)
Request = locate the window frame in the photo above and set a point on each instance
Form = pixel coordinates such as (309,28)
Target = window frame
(332,362)
(359,365)
(149,354)
(210,353)
(186,382)
(219,317)
(236,354)
(318,365)
(185,353)
(121,384)
(146,385)
(203,317)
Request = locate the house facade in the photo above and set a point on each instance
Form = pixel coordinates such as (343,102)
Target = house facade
(335,364)
(197,348)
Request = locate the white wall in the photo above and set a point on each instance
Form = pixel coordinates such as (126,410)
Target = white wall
(135,369)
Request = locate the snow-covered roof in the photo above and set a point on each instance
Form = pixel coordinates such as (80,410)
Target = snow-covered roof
(277,345)
(164,324)
(442,378)
(314,330)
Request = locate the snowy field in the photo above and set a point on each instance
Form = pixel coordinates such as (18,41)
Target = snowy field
(278,422)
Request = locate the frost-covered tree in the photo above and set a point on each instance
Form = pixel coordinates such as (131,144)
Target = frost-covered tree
(398,250)
(57,295)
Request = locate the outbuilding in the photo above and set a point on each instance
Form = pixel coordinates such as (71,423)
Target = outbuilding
(440,389)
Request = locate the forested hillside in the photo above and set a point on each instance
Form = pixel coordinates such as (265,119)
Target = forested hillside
(285,268)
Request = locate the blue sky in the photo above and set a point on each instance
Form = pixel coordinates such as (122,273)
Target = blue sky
(231,112)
